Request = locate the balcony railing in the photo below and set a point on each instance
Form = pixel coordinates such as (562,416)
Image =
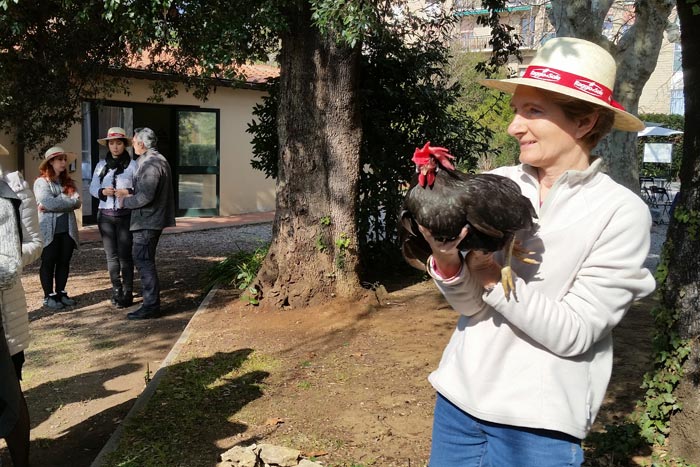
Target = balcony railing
(480,43)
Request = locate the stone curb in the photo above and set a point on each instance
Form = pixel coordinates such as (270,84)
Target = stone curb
(143,398)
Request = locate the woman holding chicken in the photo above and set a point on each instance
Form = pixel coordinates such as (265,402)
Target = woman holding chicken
(522,379)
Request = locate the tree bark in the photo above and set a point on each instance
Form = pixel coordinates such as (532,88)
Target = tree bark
(314,251)
(682,287)
(636,54)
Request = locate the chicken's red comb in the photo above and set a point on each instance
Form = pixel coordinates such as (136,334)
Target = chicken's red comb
(422,156)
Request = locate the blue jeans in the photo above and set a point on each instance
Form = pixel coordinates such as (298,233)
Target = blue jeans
(117,243)
(144,252)
(460,440)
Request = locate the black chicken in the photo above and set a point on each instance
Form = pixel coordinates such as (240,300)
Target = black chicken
(444,200)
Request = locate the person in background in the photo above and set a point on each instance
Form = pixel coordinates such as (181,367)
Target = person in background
(13,304)
(522,379)
(152,205)
(14,418)
(57,200)
(116,171)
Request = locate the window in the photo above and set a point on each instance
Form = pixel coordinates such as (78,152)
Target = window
(677,55)
(677,102)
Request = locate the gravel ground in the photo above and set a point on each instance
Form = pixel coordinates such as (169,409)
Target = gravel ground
(219,241)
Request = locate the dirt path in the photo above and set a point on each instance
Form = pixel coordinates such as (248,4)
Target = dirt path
(86,364)
(350,380)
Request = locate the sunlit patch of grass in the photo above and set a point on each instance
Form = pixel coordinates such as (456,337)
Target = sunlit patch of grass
(195,404)
(304,384)
(104,344)
(55,346)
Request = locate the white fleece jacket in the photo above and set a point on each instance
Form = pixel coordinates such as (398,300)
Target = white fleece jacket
(12,301)
(543,359)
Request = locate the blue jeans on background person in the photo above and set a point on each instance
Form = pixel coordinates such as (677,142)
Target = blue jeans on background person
(117,243)
(460,440)
(144,252)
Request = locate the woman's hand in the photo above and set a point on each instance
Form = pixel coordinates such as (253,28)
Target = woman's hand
(109,191)
(122,193)
(484,268)
(448,260)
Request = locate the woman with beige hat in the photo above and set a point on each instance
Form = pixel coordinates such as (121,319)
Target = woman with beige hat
(115,172)
(57,198)
(521,380)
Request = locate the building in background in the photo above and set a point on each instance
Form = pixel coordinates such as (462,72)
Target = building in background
(206,144)
(663,93)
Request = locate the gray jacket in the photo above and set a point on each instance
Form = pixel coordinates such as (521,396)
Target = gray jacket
(153,203)
(50,196)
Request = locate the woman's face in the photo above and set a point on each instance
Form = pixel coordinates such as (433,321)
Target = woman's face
(547,137)
(116,147)
(59,163)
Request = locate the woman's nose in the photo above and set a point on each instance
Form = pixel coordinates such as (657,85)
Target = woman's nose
(516,126)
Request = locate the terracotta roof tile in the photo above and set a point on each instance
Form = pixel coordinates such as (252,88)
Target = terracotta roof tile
(254,73)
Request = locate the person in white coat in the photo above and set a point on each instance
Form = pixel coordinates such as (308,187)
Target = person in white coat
(20,244)
(523,376)
(113,173)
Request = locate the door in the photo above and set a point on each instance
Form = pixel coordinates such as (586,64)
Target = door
(198,163)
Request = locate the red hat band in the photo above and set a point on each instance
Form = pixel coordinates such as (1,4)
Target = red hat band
(573,81)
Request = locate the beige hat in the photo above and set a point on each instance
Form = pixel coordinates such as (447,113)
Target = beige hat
(4,151)
(115,133)
(576,68)
(54,152)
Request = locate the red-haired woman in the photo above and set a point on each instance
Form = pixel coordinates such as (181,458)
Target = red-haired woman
(57,198)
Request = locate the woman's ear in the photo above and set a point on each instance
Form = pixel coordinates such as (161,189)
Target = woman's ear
(586,124)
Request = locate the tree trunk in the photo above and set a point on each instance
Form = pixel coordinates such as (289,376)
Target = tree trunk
(314,251)
(682,287)
(636,54)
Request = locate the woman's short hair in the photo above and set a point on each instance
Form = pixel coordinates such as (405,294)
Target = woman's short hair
(147,137)
(576,108)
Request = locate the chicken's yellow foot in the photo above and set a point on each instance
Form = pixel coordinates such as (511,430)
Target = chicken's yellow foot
(507,281)
(507,273)
(522,254)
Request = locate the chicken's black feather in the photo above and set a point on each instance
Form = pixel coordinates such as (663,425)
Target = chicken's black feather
(492,206)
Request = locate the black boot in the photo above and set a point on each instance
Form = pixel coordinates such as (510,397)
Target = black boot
(126,299)
(116,296)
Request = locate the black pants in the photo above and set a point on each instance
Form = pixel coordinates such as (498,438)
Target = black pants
(10,392)
(55,263)
(117,243)
(144,250)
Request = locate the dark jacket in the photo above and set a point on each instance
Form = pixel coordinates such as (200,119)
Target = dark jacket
(153,202)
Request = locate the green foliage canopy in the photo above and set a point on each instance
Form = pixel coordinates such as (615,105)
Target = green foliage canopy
(54,55)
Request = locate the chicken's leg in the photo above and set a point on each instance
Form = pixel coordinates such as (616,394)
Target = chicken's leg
(506,272)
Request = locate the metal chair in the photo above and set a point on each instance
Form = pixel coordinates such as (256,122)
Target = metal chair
(660,201)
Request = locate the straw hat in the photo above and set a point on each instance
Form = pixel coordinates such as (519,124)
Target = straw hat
(54,152)
(575,68)
(4,151)
(115,133)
